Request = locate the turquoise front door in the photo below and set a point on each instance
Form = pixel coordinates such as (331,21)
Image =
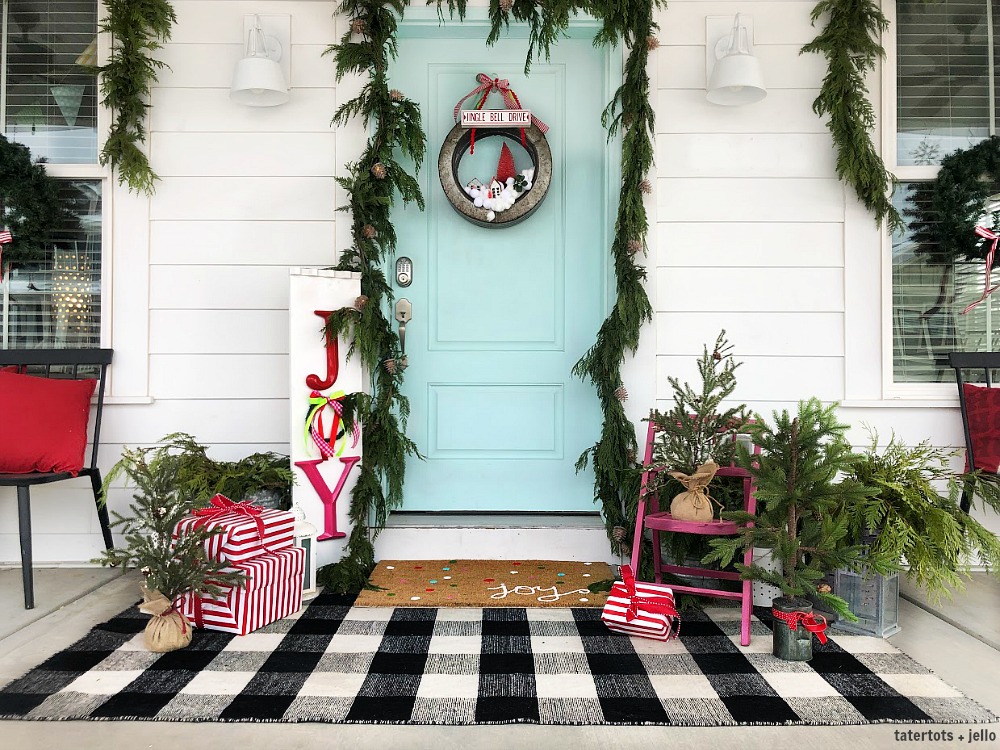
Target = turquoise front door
(500,315)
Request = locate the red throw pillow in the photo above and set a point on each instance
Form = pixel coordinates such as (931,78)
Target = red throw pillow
(43,423)
(982,407)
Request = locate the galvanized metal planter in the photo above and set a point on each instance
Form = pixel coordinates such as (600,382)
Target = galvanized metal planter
(873,598)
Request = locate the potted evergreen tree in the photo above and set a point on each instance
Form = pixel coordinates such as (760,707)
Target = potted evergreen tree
(171,565)
(916,516)
(800,496)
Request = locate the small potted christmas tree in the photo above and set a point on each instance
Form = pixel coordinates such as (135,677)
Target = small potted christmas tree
(800,501)
(171,564)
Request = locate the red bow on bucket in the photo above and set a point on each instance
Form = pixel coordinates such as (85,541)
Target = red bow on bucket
(220,505)
(635,601)
(808,620)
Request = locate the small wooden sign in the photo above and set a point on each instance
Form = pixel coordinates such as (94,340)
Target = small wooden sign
(495,118)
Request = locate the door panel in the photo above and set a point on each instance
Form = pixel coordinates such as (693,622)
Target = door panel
(500,315)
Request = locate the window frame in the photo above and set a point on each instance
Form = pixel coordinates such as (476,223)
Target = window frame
(891,389)
(84,171)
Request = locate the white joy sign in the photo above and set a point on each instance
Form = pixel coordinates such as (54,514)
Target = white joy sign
(495,118)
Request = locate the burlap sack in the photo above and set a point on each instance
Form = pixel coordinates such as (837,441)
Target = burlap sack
(167,629)
(695,504)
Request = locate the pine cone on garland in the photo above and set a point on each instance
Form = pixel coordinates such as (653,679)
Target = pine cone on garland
(652,43)
(506,5)
(396,95)
(627,120)
(379,171)
(634,247)
(369,232)
(618,533)
(390,366)
(824,588)
(360,302)
(645,187)
(358,26)
(621,394)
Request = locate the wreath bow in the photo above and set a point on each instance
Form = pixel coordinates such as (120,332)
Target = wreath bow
(987,290)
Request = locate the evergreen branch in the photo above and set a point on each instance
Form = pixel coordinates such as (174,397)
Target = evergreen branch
(850,43)
(138,29)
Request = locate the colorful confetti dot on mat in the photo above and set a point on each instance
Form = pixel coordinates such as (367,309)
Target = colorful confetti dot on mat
(453,561)
(585,575)
(515,563)
(433,580)
(560,574)
(428,589)
(418,567)
(584,599)
(454,585)
(414,598)
(445,568)
(513,572)
(588,563)
(489,580)
(541,567)
(390,594)
(390,567)
(447,578)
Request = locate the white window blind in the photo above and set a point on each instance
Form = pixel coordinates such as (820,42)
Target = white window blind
(945,53)
(50,94)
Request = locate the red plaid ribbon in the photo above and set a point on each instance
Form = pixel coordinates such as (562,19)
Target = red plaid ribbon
(319,402)
(635,602)
(487,86)
(5,238)
(220,505)
(807,619)
(987,291)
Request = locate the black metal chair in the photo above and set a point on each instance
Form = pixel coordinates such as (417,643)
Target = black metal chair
(74,364)
(971,361)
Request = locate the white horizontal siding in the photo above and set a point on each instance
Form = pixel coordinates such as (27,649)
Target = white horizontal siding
(718,199)
(219,288)
(737,290)
(308,110)
(745,155)
(779,334)
(244,198)
(186,332)
(228,377)
(783,111)
(245,154)
(759,244)
(245,243)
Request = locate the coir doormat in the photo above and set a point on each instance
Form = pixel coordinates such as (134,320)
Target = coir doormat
(486,583)
(337,663)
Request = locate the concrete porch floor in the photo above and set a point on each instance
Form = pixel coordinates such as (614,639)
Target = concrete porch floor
(962,660)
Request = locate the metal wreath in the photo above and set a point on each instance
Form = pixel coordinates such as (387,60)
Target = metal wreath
(453,149)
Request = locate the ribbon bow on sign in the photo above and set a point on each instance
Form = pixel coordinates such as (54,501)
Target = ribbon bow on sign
(808,620)
(987,291)
(487,86)
(314,422)
(220,505)
(635,602)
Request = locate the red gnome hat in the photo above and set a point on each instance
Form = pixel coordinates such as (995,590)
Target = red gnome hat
(505,167)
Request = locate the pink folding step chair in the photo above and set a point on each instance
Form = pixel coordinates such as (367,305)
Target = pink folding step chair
(649,516)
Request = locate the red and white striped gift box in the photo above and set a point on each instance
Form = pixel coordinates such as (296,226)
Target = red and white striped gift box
(642,609)
(273,590)
(247,531)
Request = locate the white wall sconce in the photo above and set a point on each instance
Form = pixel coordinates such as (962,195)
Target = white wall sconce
(732,72)
(261,76)
(305,537)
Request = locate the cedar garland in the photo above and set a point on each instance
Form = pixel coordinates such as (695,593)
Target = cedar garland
(397,125)
(850,43)
(138,28)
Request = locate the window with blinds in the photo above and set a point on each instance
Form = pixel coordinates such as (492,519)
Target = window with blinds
(928,300)
(945,56)
(945,101)
(49,84)
(48,102)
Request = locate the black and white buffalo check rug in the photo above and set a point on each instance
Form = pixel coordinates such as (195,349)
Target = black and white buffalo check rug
(337,663)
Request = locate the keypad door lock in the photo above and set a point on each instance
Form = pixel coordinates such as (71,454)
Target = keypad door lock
(404,271)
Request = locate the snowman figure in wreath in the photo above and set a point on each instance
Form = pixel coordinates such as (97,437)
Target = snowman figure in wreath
(504,189)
